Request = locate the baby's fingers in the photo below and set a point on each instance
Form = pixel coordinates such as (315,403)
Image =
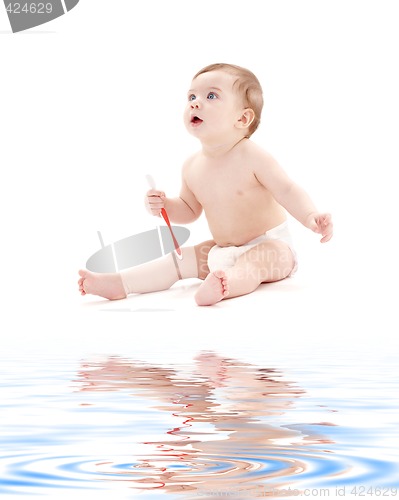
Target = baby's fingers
(327,219)
(326,238)
(155,192)
(154,201)
(326,229)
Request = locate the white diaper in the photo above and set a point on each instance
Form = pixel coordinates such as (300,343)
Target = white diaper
(221,258)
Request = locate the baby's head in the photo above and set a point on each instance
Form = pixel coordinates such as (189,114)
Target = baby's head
(247,87)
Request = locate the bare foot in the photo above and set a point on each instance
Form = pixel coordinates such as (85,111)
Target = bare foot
(107,285)
(213,289)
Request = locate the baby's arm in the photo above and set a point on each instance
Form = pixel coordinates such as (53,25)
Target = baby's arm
(292,197)
(299,204)
(181,210)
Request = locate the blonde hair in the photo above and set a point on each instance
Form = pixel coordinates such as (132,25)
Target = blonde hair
(247,85)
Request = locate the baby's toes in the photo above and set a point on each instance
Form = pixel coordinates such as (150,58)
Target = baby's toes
(223,281)
(221,275)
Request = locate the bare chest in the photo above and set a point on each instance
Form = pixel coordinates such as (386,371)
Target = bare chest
(228,180)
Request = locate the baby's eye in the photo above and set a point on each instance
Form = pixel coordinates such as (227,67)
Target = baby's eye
(191,97)
(212,95)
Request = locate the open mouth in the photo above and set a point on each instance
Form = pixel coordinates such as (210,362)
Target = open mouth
(195,120)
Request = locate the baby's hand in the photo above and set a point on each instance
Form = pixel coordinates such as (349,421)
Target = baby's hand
(322,224)
(154,201)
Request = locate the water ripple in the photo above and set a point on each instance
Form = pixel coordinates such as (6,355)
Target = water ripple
(226,427)
(276,468)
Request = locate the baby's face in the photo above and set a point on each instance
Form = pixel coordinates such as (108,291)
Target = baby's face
(213,107)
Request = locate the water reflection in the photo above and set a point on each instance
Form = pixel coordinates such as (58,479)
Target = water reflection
(229,435)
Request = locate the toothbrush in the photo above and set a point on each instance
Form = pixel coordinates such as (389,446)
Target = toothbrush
(151,183)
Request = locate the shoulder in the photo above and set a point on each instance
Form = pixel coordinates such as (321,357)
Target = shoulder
(257,155)
(189,163)
(266,168)
(190,160)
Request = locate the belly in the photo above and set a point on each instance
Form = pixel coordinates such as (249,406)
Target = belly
(236,230)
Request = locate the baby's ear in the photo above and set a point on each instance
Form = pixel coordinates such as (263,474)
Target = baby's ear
(247,117)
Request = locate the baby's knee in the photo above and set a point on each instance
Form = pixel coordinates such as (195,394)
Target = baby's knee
(280,261)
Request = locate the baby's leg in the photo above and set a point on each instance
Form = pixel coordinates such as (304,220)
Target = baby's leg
(152,276)
(160,274)
(269,261)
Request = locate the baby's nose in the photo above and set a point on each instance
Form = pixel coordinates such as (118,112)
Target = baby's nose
(195,104)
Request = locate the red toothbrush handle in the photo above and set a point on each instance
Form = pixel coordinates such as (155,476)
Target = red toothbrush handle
(166,218)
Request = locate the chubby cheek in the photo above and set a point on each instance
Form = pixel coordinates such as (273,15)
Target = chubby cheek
(186,117)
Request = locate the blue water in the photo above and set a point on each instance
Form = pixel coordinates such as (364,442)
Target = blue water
(209,426)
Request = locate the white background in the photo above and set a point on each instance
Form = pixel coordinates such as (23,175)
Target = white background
(93,101)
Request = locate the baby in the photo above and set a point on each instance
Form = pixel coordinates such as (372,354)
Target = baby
(243,191)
